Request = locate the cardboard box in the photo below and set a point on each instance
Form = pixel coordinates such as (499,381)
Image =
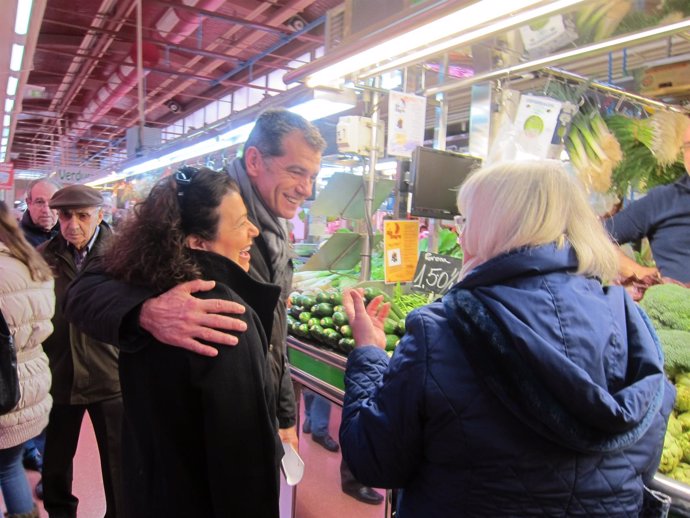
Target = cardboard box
(668,75)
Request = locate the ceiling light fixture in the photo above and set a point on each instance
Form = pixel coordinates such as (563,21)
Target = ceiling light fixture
(472,36)
(426,26)
(17,57)
(12,83)
(21,24)
(567,56)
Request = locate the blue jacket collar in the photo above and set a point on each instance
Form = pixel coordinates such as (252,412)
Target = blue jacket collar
(522,262)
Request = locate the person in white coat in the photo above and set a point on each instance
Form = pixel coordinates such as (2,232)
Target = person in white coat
(27,302)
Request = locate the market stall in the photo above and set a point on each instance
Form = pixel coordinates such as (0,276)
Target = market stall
(601,87)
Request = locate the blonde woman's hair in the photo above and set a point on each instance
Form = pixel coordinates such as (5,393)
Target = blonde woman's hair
(511,205)
(19,247)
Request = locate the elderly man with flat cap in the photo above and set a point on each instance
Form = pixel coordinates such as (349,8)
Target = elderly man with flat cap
(85,371)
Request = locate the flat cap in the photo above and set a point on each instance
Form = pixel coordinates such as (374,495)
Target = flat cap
(76,196)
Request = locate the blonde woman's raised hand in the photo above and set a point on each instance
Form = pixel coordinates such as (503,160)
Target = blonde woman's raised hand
(366,322)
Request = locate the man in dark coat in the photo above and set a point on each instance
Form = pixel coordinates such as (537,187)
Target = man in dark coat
(40,222)
(85,371)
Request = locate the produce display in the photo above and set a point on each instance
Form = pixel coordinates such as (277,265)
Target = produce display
(319,317)
(668,306)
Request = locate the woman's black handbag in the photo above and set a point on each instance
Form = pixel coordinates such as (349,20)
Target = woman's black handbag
(9,379)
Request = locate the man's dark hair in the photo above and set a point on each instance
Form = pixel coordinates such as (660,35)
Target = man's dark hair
(273,125)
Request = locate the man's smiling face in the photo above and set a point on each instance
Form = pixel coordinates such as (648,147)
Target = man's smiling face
(284,182)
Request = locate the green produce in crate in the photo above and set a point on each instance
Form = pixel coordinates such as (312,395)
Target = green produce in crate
(335,298)
(674,427)
(684,443)
(676,347)
(316,332)
(327,322)
(391,342)
(346,345)
(671,454)
(682,419)
(371,293)
(682,403)
(390,326)
(307,301)
(323,309)
(303,330)
(339,318)
(295,311)
(681,473)
(339,309)
(332,337)
(400,330)
(296,298)
(322,296)
(313,321)
(668,305)
(304,317)
(346,331)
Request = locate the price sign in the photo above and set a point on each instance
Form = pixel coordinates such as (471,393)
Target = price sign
(436,273)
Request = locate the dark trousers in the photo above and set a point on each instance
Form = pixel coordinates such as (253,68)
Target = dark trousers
(62,436)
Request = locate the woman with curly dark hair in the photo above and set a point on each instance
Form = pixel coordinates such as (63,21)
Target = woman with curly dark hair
(202,430)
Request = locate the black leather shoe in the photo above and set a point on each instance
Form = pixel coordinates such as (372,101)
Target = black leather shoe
(32,460)
(364,494)
(326,441)
(39,490)
(306,427)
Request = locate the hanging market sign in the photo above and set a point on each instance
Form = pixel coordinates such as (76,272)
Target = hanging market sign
(400,249)
(77,174)
(436,273)
(406,121)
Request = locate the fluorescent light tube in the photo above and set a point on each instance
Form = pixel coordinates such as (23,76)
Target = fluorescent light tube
(464,19)
(473,36)
(9,104)
(12,83)
(21,24)
(17,57)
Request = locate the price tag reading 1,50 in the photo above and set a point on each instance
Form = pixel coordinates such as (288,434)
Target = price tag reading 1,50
(436,273)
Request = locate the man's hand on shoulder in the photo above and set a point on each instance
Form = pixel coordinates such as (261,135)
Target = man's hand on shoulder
(178,318)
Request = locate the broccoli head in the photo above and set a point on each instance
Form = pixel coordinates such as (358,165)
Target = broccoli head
(670,455)
(684,421)
(682,403)
(681,473)
(675,426)
(676,347)
(668,305)
(684,443)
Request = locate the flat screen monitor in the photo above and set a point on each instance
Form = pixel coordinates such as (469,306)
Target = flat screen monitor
(436,176)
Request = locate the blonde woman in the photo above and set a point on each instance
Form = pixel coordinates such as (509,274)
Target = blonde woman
(531,388)
(27,302)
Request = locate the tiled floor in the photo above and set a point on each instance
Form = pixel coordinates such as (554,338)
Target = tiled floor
(88,484)
(318,494)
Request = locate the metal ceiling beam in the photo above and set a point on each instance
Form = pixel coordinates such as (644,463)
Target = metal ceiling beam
(231,19)
(181,48)
(211,80)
